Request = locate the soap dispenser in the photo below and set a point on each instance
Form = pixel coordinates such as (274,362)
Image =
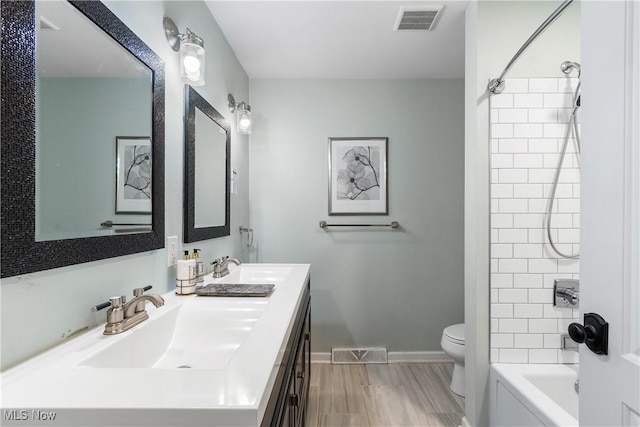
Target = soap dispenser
(199,266)
(186,275)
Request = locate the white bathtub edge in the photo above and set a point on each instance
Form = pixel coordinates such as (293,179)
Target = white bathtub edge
(540,405)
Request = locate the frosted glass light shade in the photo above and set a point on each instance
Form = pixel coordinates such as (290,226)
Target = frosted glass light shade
(192,63)
(244,120)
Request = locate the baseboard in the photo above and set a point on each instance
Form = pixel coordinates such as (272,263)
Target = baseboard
(397,357)
(418,357)
(321,357)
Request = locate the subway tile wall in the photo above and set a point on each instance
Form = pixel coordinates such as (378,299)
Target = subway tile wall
(528,125)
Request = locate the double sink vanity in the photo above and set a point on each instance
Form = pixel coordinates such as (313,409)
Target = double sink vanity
(214,361)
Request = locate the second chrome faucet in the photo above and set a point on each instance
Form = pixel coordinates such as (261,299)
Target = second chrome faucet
(221,266)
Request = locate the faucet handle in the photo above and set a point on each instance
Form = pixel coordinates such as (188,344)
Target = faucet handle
(116,311)
(116,302)
(566,293)
(113,302)
(139,291)
(99,307)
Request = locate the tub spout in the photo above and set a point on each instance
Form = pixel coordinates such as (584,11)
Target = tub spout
(568,344)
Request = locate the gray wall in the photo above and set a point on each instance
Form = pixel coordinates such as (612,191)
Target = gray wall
(39,310)
(396,289)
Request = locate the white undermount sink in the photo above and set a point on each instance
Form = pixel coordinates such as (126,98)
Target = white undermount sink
(255,274)
(196,335)
(199,334)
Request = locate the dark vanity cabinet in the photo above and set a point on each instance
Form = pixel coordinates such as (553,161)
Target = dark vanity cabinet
(287,405)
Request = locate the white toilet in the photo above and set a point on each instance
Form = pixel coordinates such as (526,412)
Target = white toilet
(453,344)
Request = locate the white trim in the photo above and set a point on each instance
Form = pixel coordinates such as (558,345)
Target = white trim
(321,357)
(631,186)
(418,356)
(397,357)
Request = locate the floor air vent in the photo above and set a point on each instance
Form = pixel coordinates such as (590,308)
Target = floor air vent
(340,356)
(418,19)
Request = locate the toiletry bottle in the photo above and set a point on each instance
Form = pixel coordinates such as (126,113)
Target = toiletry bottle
(186,275)
(199,266)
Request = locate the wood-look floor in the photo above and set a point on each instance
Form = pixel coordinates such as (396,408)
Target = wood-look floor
(397,394)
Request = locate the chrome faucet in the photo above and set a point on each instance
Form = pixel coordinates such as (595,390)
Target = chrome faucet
(221,266)
(123,315)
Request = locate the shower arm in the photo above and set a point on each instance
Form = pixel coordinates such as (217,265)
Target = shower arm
(496,86)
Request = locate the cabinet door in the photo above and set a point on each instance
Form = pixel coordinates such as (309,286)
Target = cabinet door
(302,370)
(287,416)
(306,360)
(307,352)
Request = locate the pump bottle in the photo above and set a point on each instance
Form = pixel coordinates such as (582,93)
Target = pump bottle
(199,266)
(186,275)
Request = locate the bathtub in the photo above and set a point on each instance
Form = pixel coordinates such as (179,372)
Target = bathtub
(533,395)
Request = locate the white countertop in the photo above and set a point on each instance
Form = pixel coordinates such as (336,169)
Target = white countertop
(234,395)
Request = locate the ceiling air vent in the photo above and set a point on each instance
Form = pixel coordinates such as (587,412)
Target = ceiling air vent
(418,18)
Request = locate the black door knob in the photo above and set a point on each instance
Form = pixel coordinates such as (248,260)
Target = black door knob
(594,333)
(581,334)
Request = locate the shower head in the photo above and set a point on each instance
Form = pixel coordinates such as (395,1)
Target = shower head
(568,66)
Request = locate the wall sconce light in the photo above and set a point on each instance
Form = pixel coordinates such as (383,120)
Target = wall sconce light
(191,48)
(243,116)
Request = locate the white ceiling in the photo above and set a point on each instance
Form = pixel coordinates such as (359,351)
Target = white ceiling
(76,47)
(350,39)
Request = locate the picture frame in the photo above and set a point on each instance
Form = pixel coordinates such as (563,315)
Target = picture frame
(133,175)
(358,181)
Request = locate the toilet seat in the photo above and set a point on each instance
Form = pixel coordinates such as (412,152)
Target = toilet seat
(455,333)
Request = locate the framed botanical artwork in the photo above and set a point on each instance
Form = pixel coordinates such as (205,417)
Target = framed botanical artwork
(133,174)
(358,176)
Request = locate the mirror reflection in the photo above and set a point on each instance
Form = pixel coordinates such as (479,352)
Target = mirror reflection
(93,129)
(207,167)
(210,169)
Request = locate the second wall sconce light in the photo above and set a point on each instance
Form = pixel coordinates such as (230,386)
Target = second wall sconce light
(244,114)
(191,48)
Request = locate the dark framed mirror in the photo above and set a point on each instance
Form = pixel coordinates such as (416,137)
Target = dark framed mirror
(207,170)
(25,194)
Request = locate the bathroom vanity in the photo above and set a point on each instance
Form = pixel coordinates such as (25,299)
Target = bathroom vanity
(215,361)
(288,401)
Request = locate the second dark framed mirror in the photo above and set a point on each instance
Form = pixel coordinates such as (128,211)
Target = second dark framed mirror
(207,170)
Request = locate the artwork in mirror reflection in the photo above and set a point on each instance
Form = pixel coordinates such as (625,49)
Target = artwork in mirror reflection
(89,91)
(207,166)
(133,174)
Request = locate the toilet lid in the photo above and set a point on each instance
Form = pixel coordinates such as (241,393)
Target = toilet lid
(455,333)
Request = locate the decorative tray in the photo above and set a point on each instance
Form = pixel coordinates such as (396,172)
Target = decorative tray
(235,290)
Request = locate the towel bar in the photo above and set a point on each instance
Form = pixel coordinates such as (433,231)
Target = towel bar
(394,224)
